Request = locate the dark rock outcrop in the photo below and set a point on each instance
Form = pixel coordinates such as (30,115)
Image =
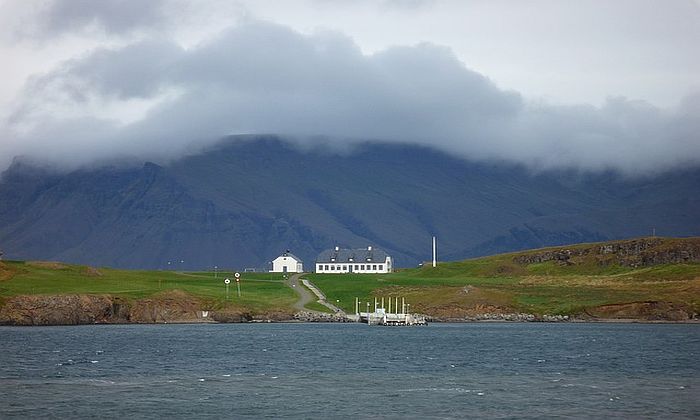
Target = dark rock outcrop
(173,306)
(646,311)
(63,310)
(634,253)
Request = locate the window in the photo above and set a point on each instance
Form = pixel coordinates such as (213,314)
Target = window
(337,268)
(374,267)
(332,259)
(345,268)
(357,267)
(326,267)
(332,268)
(381,267)
(362,267)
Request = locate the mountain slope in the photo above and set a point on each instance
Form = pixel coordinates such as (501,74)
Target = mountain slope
(243,202)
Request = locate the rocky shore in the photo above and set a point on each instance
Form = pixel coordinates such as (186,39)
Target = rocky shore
(178,307)
(170,307)
(505,317)
(306,316)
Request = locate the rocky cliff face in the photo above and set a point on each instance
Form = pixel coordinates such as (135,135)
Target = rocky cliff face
(170,307)
(632,253)
(173,306)
(63,310)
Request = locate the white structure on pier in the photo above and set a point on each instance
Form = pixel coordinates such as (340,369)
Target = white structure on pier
(364,260)
(385,315)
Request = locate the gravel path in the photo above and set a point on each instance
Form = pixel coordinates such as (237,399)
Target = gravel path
(295,282)
(304,295)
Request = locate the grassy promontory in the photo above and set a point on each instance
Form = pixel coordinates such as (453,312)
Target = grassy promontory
(135,295)
(646,279)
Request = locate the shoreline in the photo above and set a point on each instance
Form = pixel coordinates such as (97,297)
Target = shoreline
(36,310)
(296,321)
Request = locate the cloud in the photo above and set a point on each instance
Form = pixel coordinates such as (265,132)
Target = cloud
(260,77)
(112,16)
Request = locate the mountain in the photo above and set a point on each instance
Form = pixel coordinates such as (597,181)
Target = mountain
(243,202)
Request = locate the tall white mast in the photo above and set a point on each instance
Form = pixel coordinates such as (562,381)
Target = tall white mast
(434,252)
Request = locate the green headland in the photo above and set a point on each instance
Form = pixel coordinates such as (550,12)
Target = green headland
(646,279)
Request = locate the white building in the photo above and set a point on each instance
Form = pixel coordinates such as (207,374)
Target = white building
(364,260)
(287,263)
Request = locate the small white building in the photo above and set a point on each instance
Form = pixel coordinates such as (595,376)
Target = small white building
(364,260)
(287,263)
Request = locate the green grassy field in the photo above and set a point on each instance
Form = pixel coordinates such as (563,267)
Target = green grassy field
(499,282)
(259,291)
(453,289)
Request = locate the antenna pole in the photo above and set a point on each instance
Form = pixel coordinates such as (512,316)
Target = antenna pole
(434,252)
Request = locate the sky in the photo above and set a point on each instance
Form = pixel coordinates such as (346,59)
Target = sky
(586,85)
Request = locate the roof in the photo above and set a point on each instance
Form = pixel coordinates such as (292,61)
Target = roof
(289,254)
(357,255)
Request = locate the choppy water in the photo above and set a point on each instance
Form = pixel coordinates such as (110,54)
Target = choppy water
(351,371)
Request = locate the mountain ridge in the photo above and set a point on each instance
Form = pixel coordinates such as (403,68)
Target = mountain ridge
(244,201)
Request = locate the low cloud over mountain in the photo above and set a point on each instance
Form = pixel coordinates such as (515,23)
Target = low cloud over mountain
(156,99)
(248,199)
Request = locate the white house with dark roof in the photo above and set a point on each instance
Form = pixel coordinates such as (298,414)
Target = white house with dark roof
(287,263)
(363,260)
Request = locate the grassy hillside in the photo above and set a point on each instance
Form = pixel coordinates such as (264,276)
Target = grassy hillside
(502,283)
(612,279)
(260,291)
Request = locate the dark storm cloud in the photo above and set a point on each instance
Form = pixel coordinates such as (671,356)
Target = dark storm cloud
(265,78)
(114,16)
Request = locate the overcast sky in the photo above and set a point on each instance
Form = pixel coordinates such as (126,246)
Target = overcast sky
(591,85)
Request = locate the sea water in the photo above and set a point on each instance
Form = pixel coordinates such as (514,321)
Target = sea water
(480,370)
